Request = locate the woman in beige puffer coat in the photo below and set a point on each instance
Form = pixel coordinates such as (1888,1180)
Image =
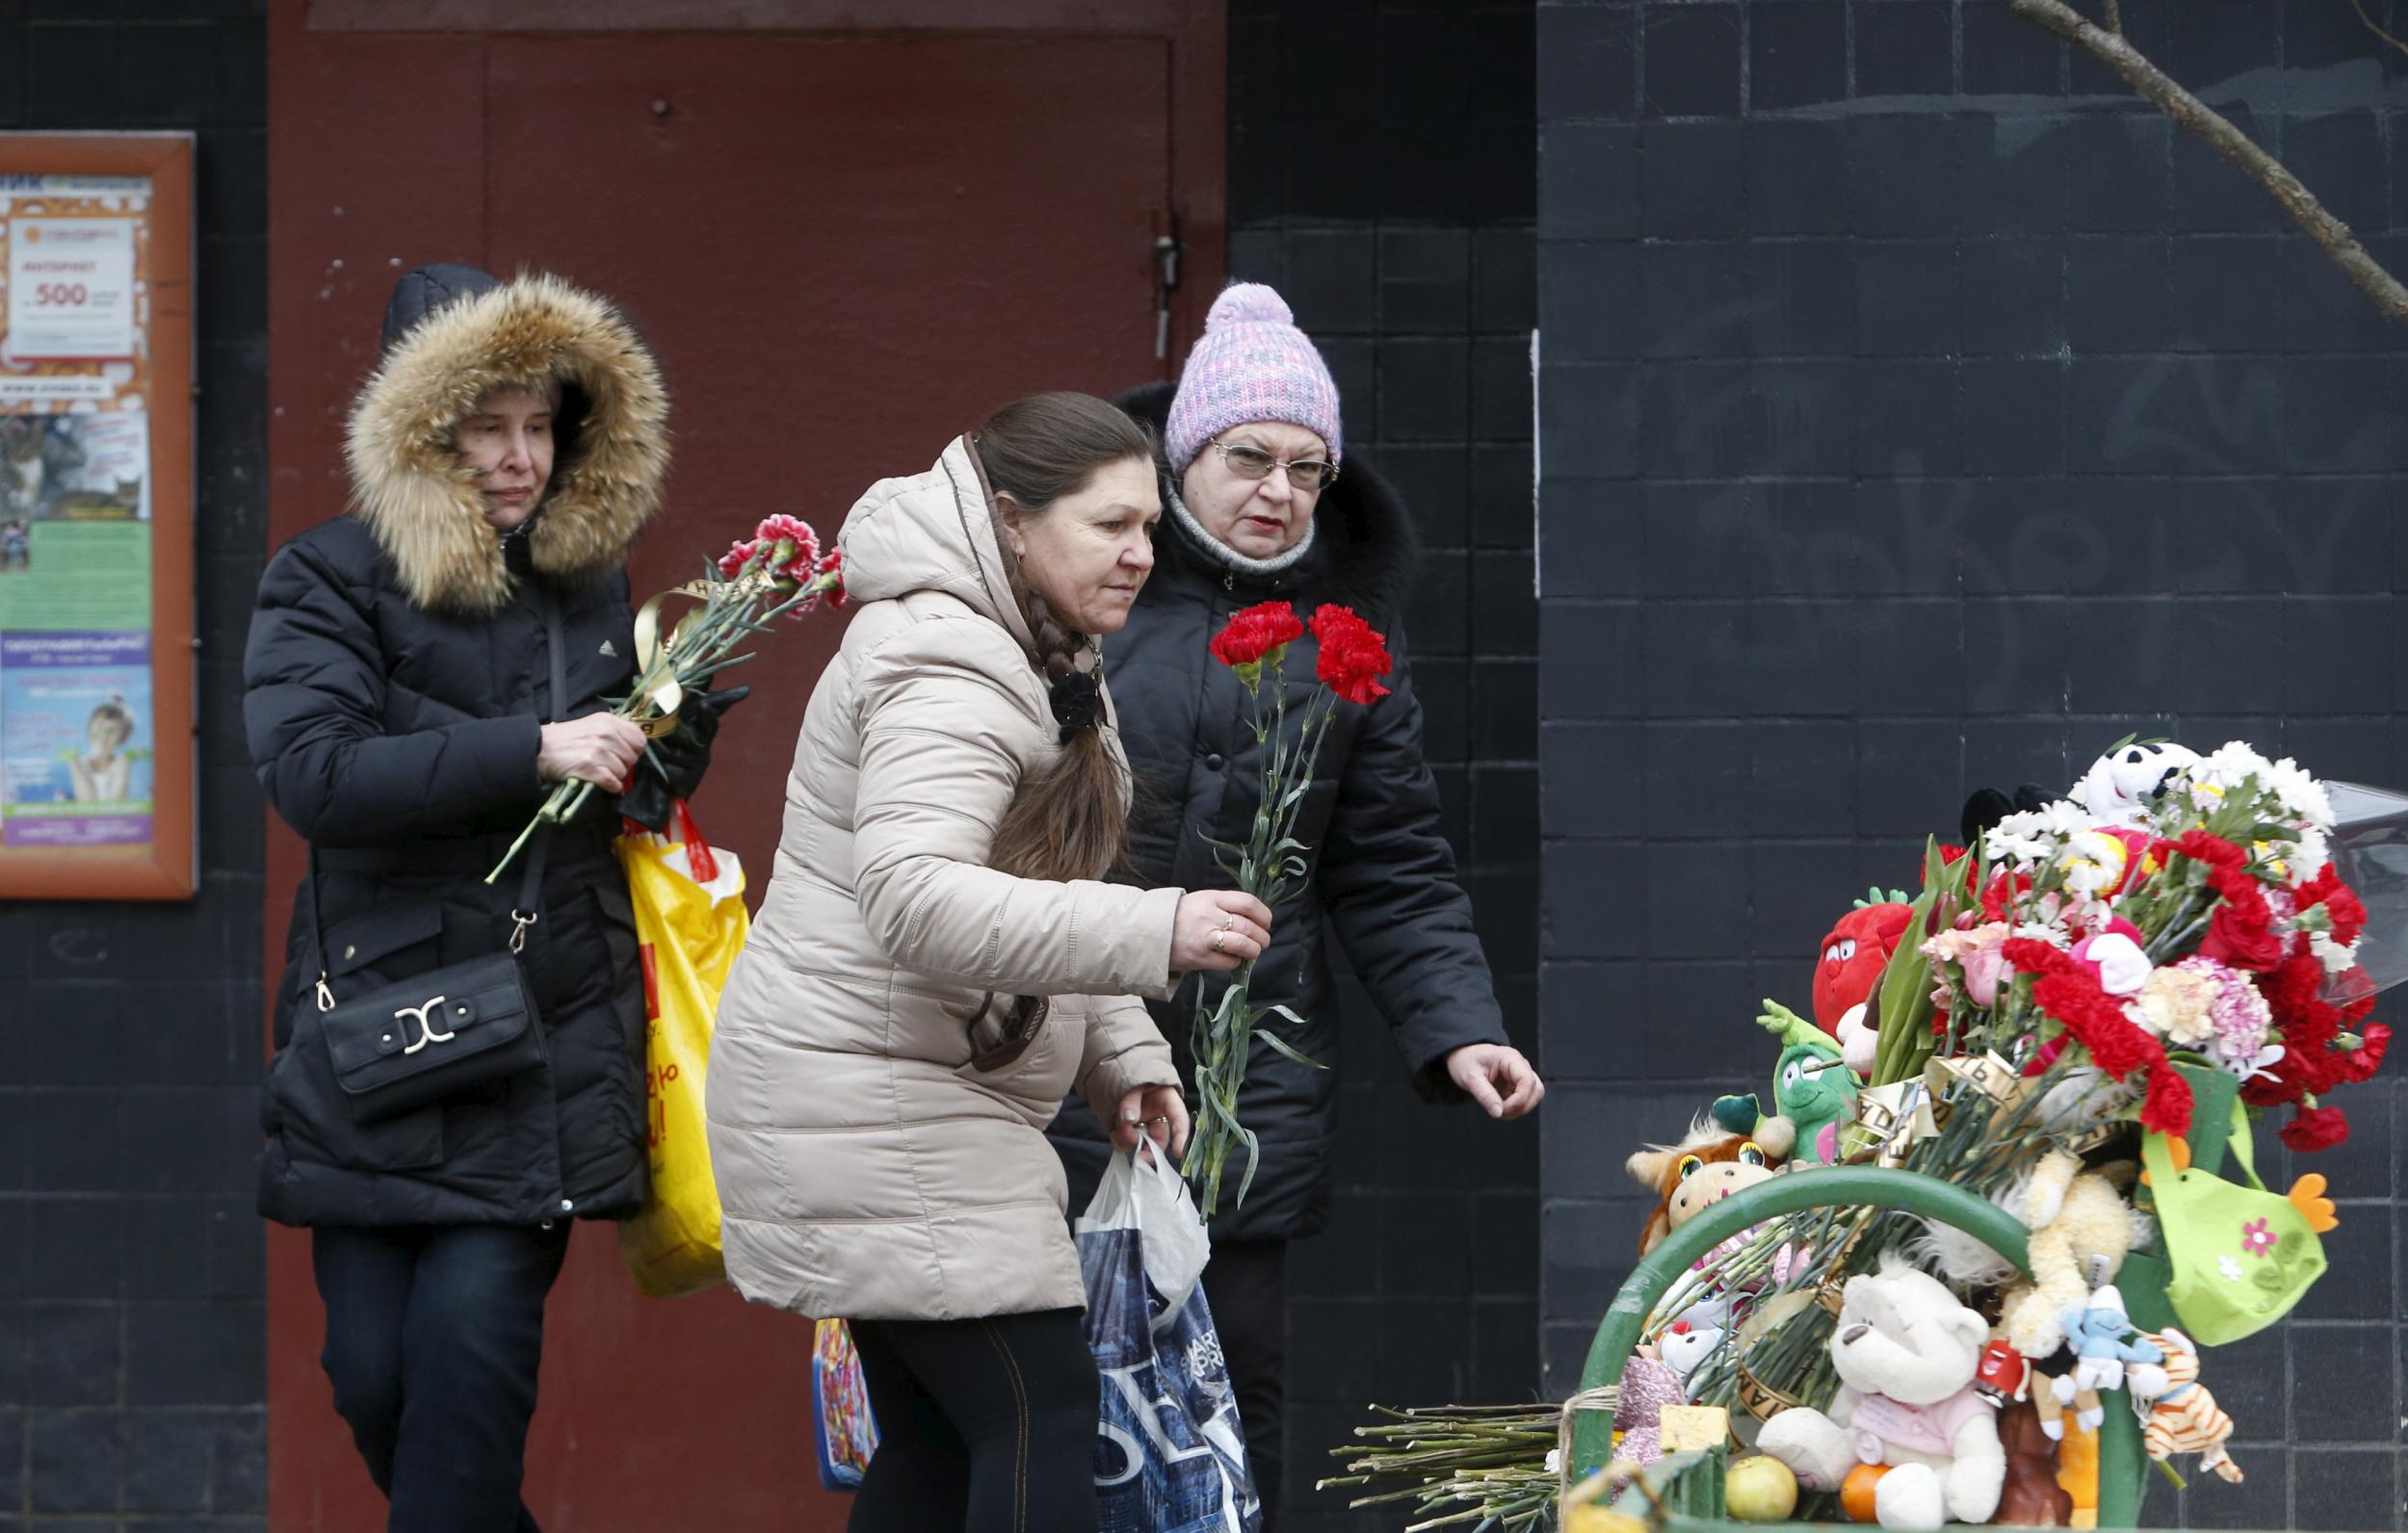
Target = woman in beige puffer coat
(936,963)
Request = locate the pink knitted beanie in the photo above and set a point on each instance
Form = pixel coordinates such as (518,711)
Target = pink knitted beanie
(1252,364)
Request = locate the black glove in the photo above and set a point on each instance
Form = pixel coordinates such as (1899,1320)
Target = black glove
(684,754)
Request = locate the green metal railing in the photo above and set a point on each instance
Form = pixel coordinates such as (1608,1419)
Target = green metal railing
(2121,1461)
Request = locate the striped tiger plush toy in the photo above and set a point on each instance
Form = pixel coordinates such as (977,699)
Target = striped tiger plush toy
(2183,1417)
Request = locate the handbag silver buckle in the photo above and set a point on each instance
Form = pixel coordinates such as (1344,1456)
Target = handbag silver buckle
(520,921)
(426,1026)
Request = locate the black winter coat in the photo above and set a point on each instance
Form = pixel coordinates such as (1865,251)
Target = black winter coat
(397,670)
(1382,886)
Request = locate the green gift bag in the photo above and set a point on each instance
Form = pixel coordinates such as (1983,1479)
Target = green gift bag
(2240,1256)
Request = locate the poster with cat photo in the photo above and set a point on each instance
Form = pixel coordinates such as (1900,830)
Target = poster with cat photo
(69,468)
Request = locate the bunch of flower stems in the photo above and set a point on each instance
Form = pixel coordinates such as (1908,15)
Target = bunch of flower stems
(1980,1147)
(732,612)
(1477,1467)
(1267,866)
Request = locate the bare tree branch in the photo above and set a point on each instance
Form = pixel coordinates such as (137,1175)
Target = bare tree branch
(2115,17)
(2228,140)
(2360,6)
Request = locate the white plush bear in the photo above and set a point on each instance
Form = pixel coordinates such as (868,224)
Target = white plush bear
(2122,786)
(1906,1353)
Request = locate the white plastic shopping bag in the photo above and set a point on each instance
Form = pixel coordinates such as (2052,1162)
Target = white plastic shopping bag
(1169,1455)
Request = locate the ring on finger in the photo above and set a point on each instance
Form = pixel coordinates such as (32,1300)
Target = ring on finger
(1216,937)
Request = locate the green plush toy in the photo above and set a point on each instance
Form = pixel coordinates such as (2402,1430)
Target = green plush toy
(1811,1088)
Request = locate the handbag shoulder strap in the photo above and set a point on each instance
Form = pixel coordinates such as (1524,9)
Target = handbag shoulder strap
(528,909)
(2237,1140)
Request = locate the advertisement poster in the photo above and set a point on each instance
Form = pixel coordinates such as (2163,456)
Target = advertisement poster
(95,738)
(71,287)
(75,740)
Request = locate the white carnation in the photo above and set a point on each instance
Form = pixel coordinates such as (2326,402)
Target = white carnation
(2337,957)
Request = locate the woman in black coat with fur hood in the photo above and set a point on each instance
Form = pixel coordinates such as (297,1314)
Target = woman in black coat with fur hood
(420,671)
(1263,512)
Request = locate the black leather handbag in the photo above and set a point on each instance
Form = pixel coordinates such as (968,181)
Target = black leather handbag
(453,1031)
(447,1033)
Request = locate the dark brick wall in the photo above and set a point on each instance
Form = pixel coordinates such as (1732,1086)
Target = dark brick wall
(1382,175)
(131,1344)
(1921,411)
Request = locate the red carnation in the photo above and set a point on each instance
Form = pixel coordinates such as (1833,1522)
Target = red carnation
(832,563)
(2242,931)
(2348,912)
(2315,1129)
(2167,1109)
(2362,1062)
(732,562)
(2241,934)
(1254,633)
(1999,899)
(2119,1046)
(1353,656)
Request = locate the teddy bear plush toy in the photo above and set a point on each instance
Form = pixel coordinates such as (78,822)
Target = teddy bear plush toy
(2081,1230)
(1907,1353)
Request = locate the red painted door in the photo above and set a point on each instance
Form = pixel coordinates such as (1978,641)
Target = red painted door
(845,248)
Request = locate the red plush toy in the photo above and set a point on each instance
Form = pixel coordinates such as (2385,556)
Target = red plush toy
(1853,957)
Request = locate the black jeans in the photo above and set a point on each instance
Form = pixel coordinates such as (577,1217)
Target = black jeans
(984,1425)
(1246,1285)
(433,1336)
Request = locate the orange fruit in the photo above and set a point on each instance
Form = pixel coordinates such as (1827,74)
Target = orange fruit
(1856,1491)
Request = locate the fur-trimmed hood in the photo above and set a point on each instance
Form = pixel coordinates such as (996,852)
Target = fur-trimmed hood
(1364,549)
(612,456)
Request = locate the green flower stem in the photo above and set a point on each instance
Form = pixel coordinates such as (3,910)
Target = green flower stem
(1267,864)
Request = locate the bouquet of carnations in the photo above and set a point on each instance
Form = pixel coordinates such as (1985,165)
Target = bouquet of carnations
(1352,657)
(2182,907)
(779,572)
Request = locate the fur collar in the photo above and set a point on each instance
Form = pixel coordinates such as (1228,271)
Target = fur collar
(422,508)
(1364,550)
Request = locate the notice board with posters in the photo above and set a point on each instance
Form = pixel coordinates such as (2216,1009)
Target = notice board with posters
(97,516)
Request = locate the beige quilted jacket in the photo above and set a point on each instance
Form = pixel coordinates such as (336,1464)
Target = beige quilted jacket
(868,1168)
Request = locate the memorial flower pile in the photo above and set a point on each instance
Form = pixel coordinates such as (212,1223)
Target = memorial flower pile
(2074,1020)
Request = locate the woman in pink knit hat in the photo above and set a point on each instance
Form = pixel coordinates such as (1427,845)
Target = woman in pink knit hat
(1263,506)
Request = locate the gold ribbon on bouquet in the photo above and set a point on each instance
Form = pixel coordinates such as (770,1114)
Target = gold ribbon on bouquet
(665,696)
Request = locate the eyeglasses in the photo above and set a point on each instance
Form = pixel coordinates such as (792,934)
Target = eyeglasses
(1253,463)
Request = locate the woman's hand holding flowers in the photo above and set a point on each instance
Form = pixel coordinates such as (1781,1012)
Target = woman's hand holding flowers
(1218,929)
(599,748)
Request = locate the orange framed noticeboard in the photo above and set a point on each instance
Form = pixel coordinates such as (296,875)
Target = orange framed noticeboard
(97,516)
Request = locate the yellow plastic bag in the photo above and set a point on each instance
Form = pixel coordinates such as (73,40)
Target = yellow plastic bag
(691,921)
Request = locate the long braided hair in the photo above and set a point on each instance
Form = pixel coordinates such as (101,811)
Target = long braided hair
(1069,821)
